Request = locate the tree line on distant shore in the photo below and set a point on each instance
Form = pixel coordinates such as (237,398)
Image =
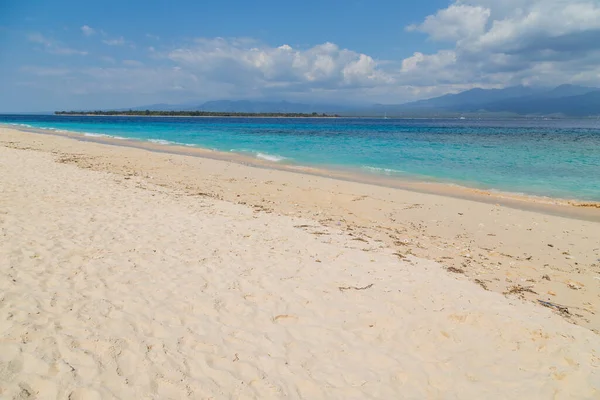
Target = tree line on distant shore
(196,114)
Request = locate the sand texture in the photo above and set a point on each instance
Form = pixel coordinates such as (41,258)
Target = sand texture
(120,286)
(544,255)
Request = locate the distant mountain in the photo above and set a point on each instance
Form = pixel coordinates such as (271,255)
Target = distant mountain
(547,102)
(581,105)
(473,96)
(563,100)
(566,100)
(568,90)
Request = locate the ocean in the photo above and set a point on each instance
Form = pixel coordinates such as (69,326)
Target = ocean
(550,158)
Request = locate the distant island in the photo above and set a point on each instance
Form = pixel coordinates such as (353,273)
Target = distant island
(564,101)
(156,113)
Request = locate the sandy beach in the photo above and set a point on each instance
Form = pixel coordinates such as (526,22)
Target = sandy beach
(129,273)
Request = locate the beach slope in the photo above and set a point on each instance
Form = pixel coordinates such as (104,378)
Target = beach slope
(113,286)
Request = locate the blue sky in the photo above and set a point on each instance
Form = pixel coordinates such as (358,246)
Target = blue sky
(104,54)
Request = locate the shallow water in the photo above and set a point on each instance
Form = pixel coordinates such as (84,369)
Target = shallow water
(555,158)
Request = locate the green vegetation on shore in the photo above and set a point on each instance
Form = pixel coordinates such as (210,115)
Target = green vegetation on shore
(150,113)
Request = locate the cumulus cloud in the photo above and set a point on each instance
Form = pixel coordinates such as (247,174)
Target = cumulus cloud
(244,62)
(455,22)
(483,43)
(511,42)
(87,30)
(237,68)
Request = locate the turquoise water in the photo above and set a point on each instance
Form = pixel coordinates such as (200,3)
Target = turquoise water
(559,158)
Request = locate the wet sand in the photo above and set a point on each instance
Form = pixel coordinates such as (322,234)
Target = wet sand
(570,208)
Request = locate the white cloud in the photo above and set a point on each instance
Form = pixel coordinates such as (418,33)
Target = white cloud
(483,43)
(108,59)
(45,71)
(455,22)
(511,42)
(38,38)
(67,51)
(151,36)
(135,80)
(52,46)
(87,30)
(245,62)
(115,42)
(422,62)
(539,23)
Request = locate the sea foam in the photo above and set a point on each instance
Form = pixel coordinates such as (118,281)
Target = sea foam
(385,171)
(160,141)
(100,135)
(270,157)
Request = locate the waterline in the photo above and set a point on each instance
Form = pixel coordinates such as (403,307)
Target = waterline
(548,159)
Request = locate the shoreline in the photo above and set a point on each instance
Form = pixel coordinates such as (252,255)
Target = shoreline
(127,273)
(195,116)
(570,208)
(475,117)
(546,253)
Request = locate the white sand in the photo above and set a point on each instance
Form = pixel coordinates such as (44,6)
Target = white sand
(117,288)
(541,250)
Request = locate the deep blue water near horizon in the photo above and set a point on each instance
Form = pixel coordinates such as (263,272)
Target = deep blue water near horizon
(555,158)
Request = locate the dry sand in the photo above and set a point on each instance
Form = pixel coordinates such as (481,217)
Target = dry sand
(549,253)
(136,281)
